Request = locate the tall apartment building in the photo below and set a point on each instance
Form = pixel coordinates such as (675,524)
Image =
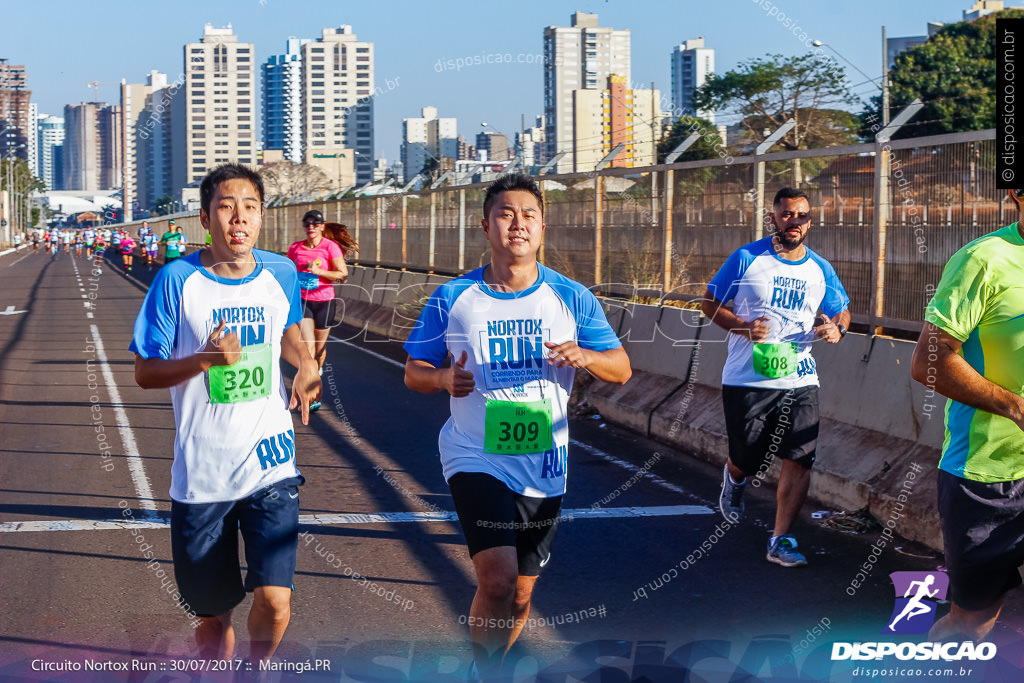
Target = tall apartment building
(692,63)
(464,151)
(337,98)
(425,137)
(530,143)
(897,44)
(214,122)
(134,115)
(494,144)
(579,57)
(92,146)
(32,138)
(49,148)
(156,166)
(281,80)
(604,119)
(443,138)
(14,110)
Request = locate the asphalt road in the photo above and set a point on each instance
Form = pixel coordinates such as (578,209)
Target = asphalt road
(646,582)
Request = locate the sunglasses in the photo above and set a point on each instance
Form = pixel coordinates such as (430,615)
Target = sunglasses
(1019,194)
(309,223)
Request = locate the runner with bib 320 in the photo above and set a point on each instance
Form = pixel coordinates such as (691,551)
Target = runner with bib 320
(770,381)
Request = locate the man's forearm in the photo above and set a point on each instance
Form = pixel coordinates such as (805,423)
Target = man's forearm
(954,378)
(162,373)
(423,377)
(610,366)
(937,364)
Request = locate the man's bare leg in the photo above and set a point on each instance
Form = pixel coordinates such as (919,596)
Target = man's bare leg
(490,623)
(268,619)
(215,637)
(793,483)
(965,624)
(521,606)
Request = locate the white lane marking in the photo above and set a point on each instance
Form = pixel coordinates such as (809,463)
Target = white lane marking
(131,450)
(372,353)
(655,479)
(13,262)
(360,518)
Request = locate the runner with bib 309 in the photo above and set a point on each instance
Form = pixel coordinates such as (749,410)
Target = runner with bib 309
(770,380)
(516,332)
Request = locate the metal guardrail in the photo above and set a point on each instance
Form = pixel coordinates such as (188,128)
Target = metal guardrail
(668,228)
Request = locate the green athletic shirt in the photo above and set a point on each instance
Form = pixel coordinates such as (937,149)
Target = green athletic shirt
(980,301)
(173,241)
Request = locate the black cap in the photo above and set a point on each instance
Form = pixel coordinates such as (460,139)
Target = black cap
(314,215)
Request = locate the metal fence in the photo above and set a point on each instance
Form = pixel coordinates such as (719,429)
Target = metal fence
(665,230)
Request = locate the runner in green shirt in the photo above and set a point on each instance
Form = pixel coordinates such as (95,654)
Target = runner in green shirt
(175,242)
(970,352)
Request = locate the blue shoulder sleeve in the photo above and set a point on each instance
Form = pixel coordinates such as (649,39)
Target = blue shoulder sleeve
(156,326)
(427,339)
(592,329)
(836,301)
(726,281)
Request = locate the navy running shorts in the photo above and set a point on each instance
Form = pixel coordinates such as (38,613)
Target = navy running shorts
(204,546)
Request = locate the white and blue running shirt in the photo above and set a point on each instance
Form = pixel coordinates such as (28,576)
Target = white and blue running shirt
(504,334)
(789,294)
(225,451)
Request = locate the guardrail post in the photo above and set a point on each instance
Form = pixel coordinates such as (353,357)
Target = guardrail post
(598,231)
(462,232)
(356,202)
(378,210)
(405,226)
(433,230)
(543,199)
(666,219)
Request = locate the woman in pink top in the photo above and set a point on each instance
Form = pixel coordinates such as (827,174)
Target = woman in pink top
(320,263)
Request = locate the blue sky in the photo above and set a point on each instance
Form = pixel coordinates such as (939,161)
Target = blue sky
(66,44)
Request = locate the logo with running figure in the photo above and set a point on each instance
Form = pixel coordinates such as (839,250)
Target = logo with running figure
(916,596)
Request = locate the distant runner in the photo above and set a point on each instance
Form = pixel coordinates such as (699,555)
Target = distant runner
(320,263)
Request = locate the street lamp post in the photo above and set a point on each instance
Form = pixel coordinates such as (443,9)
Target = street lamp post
(884,87)
(484,124)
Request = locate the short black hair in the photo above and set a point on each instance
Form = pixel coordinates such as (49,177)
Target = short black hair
(227,172)
(789,193)
(510,182)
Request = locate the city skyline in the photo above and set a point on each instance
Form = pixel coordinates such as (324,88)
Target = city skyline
(435,69)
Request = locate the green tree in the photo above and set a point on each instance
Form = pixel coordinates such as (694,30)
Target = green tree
(165,204)
(19,183)
(707,146)
(768,91)
(954,74)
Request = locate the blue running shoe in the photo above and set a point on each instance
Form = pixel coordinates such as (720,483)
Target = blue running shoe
(783,551)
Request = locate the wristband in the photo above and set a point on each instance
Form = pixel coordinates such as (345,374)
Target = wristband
(842,331)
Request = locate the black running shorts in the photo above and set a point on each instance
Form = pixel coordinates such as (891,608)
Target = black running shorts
(322,313)
(492,515)
(762,423)
(983,537)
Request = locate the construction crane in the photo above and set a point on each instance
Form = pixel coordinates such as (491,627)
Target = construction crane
(95,85)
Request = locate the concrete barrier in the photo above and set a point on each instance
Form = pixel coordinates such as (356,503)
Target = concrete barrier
(880,431)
